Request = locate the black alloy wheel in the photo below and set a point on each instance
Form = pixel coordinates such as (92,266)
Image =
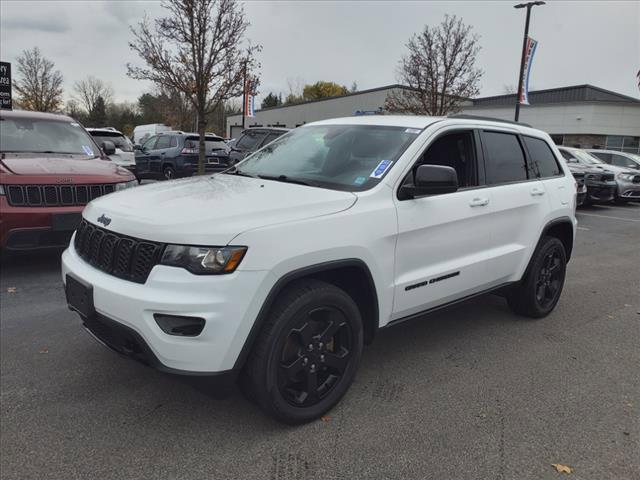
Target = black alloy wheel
(550,277)
(307,353)
(537,294)
(315,356)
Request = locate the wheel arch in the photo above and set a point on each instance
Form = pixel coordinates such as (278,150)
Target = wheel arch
(562,229)
(348,274)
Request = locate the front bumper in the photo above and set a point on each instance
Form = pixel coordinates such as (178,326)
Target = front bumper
(228,303)
(628,190)
(30,228)
(601,192)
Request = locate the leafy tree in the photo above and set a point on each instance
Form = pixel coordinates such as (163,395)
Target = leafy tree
(271,100)
(439,69)
(98,115)
(89,91)
(323,89)
(199,50)
(39,86)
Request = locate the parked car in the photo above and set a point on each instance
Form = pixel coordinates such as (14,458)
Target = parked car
(619,159)
(142,133)
(627,180)
(599,186)
(282,268)
(50,168)
(124,155)
(253,139)
(175,154)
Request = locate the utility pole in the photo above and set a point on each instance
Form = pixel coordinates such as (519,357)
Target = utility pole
(528,6)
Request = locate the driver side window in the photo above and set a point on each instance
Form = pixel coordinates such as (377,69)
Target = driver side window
(456,150)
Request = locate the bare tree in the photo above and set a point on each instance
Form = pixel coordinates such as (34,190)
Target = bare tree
(39,86)
(197,49)
(90,90)
(439,70)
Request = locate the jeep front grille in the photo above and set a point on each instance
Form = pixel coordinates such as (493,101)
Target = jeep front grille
(118,255)
(55,195)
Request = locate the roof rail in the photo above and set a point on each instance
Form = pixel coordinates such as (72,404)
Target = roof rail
(463,116)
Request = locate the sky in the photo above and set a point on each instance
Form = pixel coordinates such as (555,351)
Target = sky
(594,42)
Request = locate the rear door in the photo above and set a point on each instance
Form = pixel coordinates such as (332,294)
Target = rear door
(543,164)
(520,202)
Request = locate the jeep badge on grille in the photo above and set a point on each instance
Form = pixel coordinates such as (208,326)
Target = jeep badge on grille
(103,219)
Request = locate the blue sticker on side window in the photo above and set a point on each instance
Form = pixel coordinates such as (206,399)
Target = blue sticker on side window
(87,150)
(382,167)
(359,180)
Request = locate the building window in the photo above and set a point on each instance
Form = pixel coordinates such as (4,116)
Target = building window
(624,144)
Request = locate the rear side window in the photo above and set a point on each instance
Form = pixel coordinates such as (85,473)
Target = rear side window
(271,137)
(543,161)
(250,140)
(166,141)
(504,158)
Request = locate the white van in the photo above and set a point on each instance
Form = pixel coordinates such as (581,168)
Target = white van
(142,132)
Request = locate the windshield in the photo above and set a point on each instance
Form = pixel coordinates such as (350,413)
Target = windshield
(119,140)
(35,135)
(587,157)
(340,157)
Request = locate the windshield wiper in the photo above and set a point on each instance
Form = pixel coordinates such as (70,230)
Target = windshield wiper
(284,178)
(236,171)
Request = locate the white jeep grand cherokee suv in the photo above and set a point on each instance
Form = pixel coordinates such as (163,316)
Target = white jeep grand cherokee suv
(282,268)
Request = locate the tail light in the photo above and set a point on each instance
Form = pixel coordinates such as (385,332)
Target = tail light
(188,151)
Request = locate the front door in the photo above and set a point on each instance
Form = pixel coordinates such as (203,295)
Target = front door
(445,247)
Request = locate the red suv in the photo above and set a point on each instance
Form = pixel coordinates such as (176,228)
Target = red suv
(50,168)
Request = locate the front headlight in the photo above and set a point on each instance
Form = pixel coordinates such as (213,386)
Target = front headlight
(123,185)
(203,260)
(626,176)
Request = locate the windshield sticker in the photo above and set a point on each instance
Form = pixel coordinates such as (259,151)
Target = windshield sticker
(87,150)
(382,167)
(359,180)
(412,130)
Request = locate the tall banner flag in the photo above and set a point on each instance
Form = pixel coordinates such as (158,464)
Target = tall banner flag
(249,99)
(530,51)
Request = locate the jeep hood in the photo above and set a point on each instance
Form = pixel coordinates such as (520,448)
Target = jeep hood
(69,165)
(210,210)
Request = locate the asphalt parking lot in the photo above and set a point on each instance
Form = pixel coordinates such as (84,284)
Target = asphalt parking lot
(472,392)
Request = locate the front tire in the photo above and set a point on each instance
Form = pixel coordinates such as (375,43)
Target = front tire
(539,291)
(307,353)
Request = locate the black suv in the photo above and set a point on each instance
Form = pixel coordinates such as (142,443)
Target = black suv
(175,154)
(253,139)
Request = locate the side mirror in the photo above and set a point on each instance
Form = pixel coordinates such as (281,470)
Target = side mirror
(432,180)
(108,147)
(137,147)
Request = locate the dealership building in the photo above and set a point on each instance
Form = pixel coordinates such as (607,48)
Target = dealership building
(581,116)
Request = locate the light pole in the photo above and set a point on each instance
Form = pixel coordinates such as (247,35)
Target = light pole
(528,6)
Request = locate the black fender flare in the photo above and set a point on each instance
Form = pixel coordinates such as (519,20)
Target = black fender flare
(284,281)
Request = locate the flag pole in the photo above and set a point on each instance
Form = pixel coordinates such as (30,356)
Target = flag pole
(244,94)
(528,6)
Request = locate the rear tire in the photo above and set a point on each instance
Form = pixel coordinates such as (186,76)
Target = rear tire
(539,291)
(307,353)
(168,173)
